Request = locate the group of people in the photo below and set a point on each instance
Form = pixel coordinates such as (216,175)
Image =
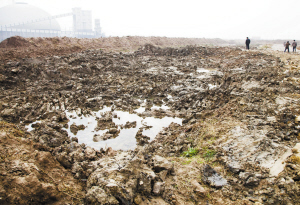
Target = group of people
(287,46)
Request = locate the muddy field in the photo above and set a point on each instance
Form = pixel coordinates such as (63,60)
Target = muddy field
(232,135)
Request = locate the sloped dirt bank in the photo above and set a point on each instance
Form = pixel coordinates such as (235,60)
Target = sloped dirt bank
(238,142)
(19,47)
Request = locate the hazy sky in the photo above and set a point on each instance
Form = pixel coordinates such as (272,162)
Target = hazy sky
(227,19)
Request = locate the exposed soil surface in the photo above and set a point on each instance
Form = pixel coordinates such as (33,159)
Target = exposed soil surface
(238,142)
(18,47)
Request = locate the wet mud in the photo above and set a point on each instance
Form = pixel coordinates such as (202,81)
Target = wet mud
(237,141)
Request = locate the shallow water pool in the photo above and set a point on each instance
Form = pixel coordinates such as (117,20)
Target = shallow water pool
(126,138)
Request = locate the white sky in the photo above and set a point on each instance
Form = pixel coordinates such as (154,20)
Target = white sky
(227,19)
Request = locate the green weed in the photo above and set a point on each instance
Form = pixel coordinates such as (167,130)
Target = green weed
(186,162)
(190,152)
(209,154)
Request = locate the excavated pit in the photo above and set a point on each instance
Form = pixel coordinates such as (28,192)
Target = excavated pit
(189,125)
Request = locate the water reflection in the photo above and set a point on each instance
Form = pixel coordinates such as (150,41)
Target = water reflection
(126,138)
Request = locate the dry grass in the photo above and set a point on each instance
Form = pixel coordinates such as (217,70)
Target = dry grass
(294,159)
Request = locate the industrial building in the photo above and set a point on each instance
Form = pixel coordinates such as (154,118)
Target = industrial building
(22,19)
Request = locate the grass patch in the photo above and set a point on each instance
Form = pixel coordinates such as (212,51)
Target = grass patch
(190,152)
(186,162)
(209,154)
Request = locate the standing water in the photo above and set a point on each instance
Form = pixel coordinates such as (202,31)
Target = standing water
(126,138)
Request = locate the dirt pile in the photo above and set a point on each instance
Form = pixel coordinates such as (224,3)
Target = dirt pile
(30,174)
(19,47)
(15,42)
(238,142)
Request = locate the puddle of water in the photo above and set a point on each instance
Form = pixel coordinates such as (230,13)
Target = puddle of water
(29,127)
(205,73)
(175,87)
(140,110)
(158,125)
(203,76)
(126,138)
(175,70)
(153,69)
(210,86)
(237,69)
(163,107)
(217,180)
(203,70)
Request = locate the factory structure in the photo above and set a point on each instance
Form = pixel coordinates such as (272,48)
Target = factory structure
(22,19)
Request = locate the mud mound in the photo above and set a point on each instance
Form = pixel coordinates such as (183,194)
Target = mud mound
(149,49)
(15,42)
(19,47)
(30,174)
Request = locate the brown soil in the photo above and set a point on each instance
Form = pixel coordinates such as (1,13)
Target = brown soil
(245,115)
(18,47)
(29,174)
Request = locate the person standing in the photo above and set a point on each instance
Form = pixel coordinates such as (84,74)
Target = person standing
(294,44)
(287,46)
(247,43)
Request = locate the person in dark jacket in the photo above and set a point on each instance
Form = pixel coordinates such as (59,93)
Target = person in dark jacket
(287,46)
(294,44)
(247,43)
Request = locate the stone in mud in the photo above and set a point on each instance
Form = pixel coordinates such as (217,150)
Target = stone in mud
(97,138)
(163,175)
(130,125)
(211,177)
(252,182)
(158,188)
(74,139)
(97,195)
(245,175)
(9,115)
(64,159)
(138,199)
(297,119)
(75,128)
(90,153)
(110,152)
(48,136)
(113,130)
(198,188)
(78,171)
(160,164)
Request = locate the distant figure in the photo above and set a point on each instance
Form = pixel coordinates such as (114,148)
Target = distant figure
(247,43)
(294,44)
(287,46)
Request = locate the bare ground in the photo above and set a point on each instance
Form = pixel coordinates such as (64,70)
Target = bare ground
(239,142)
(18,47)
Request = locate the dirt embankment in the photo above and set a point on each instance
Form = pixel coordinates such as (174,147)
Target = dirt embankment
(238,142)
(19,47)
